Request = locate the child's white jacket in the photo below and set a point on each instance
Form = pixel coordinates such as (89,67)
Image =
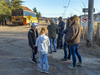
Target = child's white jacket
(43,43)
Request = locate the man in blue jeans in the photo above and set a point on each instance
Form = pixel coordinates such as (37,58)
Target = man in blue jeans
(73,39)
(52,31)
(60,34)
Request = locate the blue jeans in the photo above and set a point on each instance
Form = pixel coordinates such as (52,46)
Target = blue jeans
(60,41)
(52,41)
(43,58)
(65,50)
(74,50)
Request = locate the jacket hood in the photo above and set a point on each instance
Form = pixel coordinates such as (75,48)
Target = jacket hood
(43,38)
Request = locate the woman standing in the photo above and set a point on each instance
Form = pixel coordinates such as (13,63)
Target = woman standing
(42,43)
(65,45)
(73,40)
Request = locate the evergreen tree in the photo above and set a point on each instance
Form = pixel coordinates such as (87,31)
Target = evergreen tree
(4,10)
(39,15)
(16,4)
(6,7)
(35,10)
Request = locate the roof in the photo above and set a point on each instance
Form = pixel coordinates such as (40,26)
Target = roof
(26,8)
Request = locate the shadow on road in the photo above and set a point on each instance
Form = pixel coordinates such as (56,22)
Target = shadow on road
(11,25)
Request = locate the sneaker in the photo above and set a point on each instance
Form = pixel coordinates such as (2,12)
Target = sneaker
(61,48)
(71,67)
(79,64)
(50,52)
(63,59)
(68,58)
(54,51)
(34,61)
(46,72)
(41,71)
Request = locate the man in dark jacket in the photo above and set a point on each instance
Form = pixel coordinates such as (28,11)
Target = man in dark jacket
(52,31)
(60,34)
(32,35)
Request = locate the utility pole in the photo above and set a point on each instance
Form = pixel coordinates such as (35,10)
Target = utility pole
(65,11)
(90,22)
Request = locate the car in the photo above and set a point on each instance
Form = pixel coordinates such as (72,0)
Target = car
(56,21)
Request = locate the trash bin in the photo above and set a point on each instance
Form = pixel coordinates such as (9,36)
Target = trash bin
(24,21)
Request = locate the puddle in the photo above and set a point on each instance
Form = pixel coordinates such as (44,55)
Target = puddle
(51,67)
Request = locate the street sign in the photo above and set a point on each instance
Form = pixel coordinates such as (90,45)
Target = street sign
(86,10)
(84,21)
(29,17)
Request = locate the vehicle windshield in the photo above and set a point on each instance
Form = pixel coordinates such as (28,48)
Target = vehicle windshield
(26,13)
(17,13)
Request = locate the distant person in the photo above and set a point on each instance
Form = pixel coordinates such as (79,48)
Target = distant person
(43,43)
(65,44)
(52,31)
(73,39)
(32,35)
(61,26)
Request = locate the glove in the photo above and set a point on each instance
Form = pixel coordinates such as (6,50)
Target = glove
(33,50)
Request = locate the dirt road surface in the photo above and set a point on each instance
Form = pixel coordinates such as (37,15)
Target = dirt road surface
(15,56)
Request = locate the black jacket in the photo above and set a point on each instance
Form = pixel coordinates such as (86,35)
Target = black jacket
(32,37)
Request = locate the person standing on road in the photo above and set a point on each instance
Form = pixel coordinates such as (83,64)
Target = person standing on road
(73,39)
(43,43)
(60,34)
(52,31)
(32,35)
(65,45)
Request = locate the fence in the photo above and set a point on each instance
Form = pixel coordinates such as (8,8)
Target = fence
(96,33)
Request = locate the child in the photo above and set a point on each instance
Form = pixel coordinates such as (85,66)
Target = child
(32,35)
(42,43)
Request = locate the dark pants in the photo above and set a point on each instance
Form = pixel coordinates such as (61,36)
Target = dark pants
(74,50)
(65,51)
(60,41)
(33,53)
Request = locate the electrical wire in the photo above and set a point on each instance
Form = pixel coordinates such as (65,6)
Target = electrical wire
(68,5)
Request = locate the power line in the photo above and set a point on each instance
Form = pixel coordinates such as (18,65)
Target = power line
(68,4)
(66,7)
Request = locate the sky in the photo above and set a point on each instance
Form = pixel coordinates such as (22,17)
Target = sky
(55,8)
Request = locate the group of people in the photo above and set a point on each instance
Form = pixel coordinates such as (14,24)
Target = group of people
(42,42)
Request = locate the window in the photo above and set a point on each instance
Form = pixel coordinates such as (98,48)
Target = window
(17,12)
(26,13)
